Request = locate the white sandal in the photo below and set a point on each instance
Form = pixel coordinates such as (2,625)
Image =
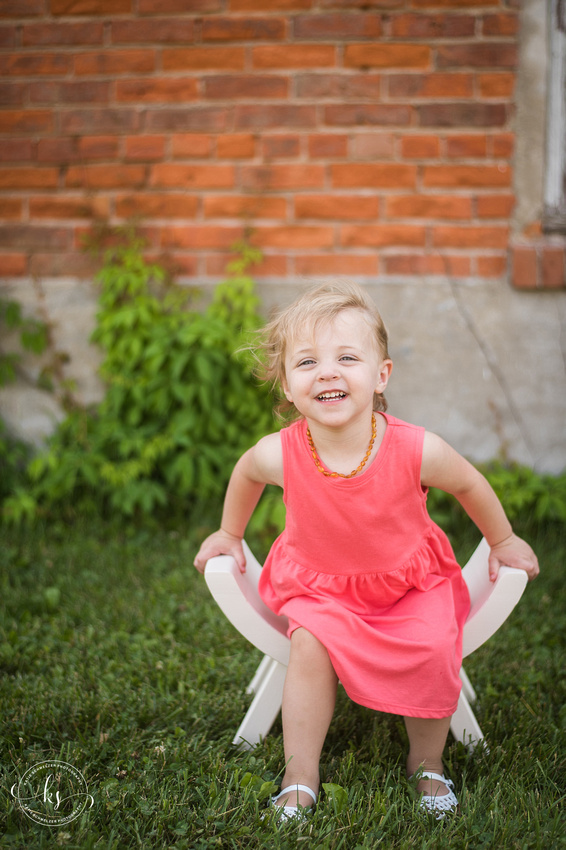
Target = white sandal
(438,805)
(290,812)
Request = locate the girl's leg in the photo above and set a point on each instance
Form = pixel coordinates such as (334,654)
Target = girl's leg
(427,738)
(309,697)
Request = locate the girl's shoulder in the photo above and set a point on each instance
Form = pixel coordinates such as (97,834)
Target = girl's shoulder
(268,457)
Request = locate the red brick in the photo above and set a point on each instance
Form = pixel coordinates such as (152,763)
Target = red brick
(382,235)
(114,62)
(372,146)
(273,177)
(501,85)
(553,267)
(8,36)
(293,236)
(337,207)
(99,121)
(207,119)
(431,85)
(428,206)
(227,86)
(500,24)
(420,147)
(272,265)
(382,55)
(179,264)
(462,146)
(98,147)
(477,55)
(337,264)
(69,207)
(200,236)
(145,148)
(294,56)
(472,176)
(90,7)
(276,115)
(203,59)
(163,7)
(21,8)
(16,149)
(281,147)
(432,26)
(331,145)
(243,29)
(26,121)
(192,176)
(152,90)
(60,150)
(13,265)
(32,64)
(390,175)
(423,264)
(524,267)
(11,208)
(503,145)
(28,178)
(338,85)
(472,114)
(152,31)
(491,266)
(495,206)
(105,176)
(470,237)
(336,26)
(454,4)
(157,205)
(269,5)
(363,114)
(65,34)
(63,264)
(235,146)
(76,91)
(252,207)
(192,145)
(34,237)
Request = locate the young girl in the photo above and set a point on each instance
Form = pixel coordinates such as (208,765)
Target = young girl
(373,593)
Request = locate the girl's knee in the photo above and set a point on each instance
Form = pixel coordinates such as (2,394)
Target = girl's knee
(307,649)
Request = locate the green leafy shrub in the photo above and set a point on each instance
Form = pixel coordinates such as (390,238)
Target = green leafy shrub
(181,406)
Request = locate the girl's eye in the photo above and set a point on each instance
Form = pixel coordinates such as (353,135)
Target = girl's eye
(307,362)
(348,357)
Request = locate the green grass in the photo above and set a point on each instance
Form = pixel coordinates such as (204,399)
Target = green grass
(116,660)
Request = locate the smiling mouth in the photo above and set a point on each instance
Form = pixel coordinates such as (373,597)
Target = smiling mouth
(332,396)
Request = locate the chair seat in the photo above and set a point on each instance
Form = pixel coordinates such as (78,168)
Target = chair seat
(237,596)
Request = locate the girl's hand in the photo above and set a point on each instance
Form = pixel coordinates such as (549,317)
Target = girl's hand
(513,552)
(221,543)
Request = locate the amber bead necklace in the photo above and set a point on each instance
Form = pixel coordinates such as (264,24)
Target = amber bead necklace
(355,471)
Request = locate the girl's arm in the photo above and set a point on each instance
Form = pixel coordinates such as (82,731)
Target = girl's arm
(444,468)
(260,465)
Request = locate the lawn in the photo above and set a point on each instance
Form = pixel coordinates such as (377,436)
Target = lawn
(116,660)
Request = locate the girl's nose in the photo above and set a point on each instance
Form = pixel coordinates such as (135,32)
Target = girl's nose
(328,372)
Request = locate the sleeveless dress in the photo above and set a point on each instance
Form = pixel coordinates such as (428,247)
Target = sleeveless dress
(362,566)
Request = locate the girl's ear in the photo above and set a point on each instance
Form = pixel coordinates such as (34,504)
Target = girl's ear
(384,375)
(286,390)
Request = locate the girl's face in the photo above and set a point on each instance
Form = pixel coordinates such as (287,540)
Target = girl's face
(333,370)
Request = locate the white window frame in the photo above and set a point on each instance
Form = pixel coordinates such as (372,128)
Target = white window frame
(554,216)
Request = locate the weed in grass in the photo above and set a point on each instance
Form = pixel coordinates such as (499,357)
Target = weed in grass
(116,660)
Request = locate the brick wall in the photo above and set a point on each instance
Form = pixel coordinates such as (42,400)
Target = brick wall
(362,137)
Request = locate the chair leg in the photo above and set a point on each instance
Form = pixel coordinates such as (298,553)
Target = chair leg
(259,674)
(265,707)
(467,686)
(464,726)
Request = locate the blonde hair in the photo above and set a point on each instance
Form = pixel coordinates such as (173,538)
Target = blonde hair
(318,304)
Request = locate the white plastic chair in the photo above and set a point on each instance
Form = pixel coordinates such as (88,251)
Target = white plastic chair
(237,595)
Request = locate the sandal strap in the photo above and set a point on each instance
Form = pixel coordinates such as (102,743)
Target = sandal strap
(427,775)
(296,788)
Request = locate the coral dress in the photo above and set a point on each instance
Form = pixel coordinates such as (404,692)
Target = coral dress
(362,566)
